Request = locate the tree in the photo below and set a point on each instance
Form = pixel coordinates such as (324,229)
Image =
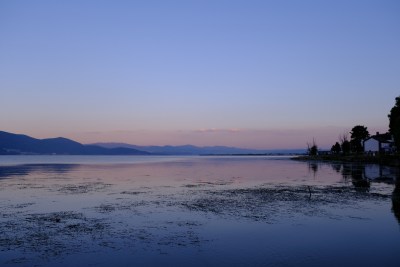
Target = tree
(344,143)
(346,147)
(358,134)
(394,122)
(312,148)
(336,148)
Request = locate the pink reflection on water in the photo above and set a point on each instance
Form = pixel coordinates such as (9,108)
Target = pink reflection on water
(188,206)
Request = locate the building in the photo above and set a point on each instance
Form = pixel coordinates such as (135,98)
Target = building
(382,143)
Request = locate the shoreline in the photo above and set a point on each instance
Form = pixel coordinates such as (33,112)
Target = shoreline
(388,160)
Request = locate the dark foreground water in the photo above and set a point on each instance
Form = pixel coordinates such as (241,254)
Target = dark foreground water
(196,211)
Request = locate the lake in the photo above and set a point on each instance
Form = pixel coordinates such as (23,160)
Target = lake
(196,211)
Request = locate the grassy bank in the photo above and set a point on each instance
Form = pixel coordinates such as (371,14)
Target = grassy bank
(389,160)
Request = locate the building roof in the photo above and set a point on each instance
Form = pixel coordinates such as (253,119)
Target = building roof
(382,138)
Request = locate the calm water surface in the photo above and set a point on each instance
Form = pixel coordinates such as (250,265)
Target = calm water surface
(196,211)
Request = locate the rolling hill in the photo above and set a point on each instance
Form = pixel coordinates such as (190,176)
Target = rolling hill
(195,150)
(17,144)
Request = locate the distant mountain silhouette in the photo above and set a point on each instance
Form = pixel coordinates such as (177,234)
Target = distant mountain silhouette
(195,150)
(16,144)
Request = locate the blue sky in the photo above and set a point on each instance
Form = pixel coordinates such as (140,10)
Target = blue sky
(259,74)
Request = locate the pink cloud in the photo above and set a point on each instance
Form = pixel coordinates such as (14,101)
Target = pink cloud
(216,130)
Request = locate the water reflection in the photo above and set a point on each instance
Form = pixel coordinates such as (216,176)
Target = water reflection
(358,178)
(362,175)
(313,167)
(396,199)
(236,209)
(336,167)
(26,169)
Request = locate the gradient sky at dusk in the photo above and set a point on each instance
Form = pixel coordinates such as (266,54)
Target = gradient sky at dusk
(256,74)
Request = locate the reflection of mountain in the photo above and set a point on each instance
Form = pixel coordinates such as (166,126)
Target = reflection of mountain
(14,144)
(21,170)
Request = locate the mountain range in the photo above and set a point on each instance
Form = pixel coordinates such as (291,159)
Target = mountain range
(17,144)
(196,150)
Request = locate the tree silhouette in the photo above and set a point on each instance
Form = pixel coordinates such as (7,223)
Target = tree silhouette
(358,134)
(344,143)
(394,122)
(312,148)
(346,147)
(336,148)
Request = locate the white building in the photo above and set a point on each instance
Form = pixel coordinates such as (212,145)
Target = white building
(379,143)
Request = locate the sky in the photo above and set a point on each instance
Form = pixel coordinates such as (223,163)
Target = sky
(252,74)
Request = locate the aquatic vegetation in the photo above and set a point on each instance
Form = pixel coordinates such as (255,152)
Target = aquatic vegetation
(270,203)
(178,214)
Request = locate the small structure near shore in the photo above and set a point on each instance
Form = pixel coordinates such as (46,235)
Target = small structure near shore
(379,143)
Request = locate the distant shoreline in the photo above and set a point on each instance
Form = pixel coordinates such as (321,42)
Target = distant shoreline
(255,155)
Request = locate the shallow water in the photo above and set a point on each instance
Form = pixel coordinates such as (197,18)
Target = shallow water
(197,211)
